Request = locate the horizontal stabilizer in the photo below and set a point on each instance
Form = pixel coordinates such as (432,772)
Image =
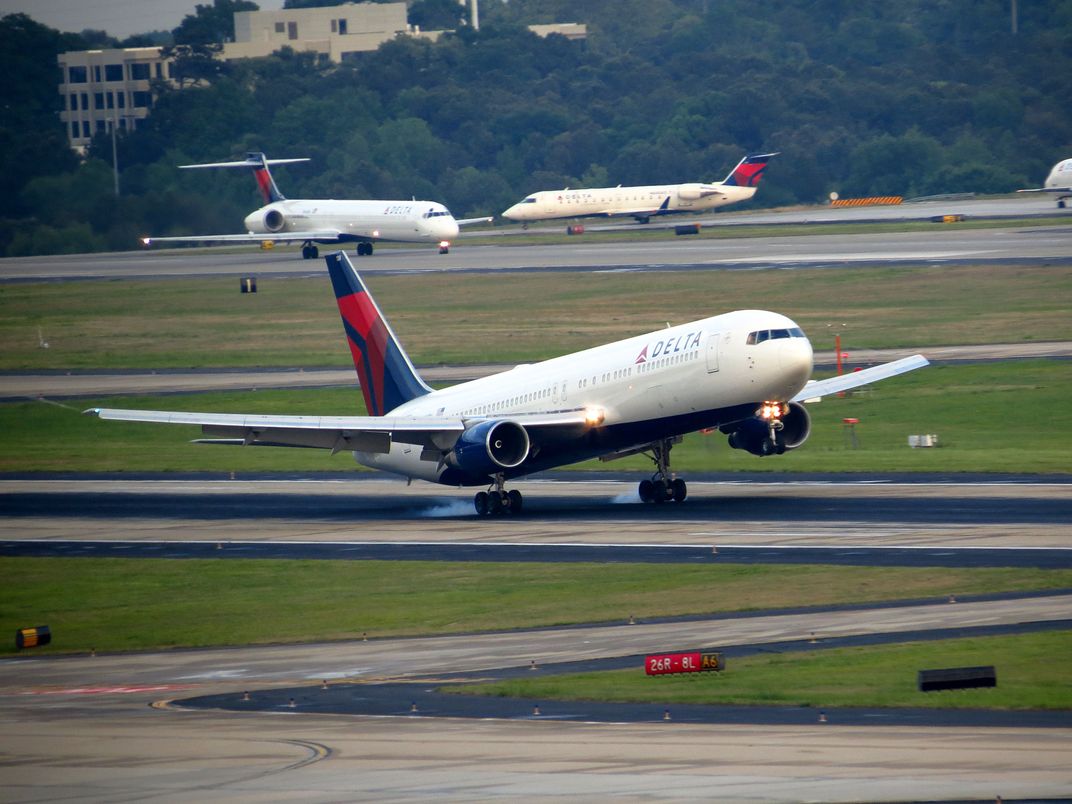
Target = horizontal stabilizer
(246,163)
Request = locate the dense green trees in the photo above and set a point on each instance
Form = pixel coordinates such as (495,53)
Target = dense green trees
(867,97)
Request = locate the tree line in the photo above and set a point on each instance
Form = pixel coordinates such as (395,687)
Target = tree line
(862,98)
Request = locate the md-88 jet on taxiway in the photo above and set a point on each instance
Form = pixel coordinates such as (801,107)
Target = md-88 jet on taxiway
(745,373)
(311,221)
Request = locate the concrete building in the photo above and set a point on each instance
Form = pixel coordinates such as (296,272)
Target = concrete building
(102,88)
(334,31)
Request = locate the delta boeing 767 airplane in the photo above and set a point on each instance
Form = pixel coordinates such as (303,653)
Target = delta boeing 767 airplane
(744,372)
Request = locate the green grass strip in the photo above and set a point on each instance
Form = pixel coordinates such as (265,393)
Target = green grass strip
(141,604)
(1034,671)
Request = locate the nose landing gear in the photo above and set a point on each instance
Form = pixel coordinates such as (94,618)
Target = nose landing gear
(497,501)
(663,486)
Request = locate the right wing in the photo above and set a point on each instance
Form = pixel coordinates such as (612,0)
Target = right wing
(844,382)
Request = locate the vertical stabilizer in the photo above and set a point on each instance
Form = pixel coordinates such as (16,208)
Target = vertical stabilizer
(749,170)
(388,378)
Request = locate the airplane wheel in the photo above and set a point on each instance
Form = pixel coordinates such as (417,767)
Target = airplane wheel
(314,252)
(514,496)
(679,490)
(305,253)
(444,249)
(659,491)
(495,504)
(646,491)
(480,502)
(1061,204)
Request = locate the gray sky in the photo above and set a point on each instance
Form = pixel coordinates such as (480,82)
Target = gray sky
(120,18)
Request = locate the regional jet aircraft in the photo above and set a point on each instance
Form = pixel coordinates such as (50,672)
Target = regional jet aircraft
(329,221)
(644,202)
(1059,181)
(745,373)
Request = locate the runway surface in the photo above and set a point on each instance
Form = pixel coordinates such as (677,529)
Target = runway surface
(945,245)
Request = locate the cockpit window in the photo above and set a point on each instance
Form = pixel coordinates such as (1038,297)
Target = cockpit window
(436,213)
(530,200)
(761,335)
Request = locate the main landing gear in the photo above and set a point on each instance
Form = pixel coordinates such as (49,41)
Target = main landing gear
(363,249)
(309,252)
(497,501)
(663,486)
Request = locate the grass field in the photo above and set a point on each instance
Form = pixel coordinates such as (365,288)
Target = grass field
(466,318)
(990,417)
(139,604)
(1034,671)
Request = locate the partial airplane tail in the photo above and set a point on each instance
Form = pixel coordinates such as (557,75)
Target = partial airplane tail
(259,163)
(388,378)
(749,170)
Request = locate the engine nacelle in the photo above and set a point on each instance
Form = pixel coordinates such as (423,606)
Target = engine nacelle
(690,192)
(273,221)
(490,447)
(753,435)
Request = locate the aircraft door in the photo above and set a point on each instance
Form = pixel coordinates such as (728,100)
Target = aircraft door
(713,340)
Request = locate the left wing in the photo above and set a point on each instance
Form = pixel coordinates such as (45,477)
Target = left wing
(337,433)
(819,388)
(471,221)
(319,235)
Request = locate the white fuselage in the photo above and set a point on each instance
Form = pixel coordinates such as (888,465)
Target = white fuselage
(665,383)
(638,201)
(1060,176)
(401,221)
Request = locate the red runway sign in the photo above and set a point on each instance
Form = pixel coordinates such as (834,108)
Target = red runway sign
(664,664)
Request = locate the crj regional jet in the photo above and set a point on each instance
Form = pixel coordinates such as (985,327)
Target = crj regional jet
(745,373)
(310,221)
(1059,181)
(644,202)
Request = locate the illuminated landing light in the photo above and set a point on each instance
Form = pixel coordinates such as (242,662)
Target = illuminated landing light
(146,241)
(772,411)
(444,244)
(375,232)
(594,416)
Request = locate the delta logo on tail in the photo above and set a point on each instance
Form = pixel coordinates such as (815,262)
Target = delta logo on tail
(386,376)
(749,171)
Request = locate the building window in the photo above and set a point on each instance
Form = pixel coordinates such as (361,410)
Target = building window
(74,102)
(98,100)
(96,73)
(74,130)
(279,27)
(76,75)
(113,72)
(111,100)
(85,129)
(334,26)
(159,70)
(122,98)
(85,102)
(292,30)
(342,27)
(139,71)
(100,126)
(141,100)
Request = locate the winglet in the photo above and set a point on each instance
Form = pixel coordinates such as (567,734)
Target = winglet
(388,378)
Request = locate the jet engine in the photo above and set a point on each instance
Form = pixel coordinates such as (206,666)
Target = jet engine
(489,447)
(789,424)
(690,192)
(273,220)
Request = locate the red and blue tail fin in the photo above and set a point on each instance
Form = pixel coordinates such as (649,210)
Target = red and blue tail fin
(749,170)
(263,176)
(388,378)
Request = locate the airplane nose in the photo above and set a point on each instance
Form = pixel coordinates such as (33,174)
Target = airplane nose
(447,229)
(795,359)
(511,213)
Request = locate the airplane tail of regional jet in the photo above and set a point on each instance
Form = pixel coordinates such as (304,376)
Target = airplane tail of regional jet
(388,378)
(749,170)
(259,163)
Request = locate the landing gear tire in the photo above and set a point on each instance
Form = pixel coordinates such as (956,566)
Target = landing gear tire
(516,501)
(495,504)
(480,502)
(310,252)
(663,486)
(363,250)
(444,249)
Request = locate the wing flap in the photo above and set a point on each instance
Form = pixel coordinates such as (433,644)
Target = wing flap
(820,388)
